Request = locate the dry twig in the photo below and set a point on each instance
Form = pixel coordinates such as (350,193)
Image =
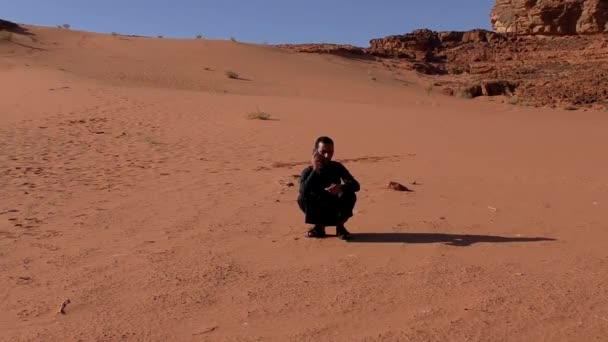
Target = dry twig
(208,330)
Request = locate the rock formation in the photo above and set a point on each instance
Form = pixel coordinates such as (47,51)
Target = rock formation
(407,45)
(550,17)
(419,43)
(8,25)
(557,71)
(542,53)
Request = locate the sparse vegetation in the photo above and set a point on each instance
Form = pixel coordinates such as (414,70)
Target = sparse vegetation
(159,36)
(570,107)
(429,88)
(66,26)
(232,74)
(513,100)
(199,36)
(114,34)
(259,115)
(233,39)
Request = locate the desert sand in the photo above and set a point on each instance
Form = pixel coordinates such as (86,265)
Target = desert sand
(133,183)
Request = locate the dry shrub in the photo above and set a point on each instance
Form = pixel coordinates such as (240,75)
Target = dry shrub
(259,115)
(232,74)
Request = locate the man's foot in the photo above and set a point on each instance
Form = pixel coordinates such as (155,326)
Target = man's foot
(342,233)
(316,232)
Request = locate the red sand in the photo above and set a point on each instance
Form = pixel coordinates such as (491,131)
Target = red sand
(133,184)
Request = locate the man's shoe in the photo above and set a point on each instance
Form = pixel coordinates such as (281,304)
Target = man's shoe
(316,232)
(342,233)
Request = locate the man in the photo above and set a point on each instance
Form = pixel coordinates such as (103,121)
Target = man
(327,192)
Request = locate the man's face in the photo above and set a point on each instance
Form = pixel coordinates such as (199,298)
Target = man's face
(326,151)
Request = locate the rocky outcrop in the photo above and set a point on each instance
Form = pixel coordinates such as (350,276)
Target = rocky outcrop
(555,71)
(473,36)
(542,53)
(420,43)
(550,17)
(497,87)
(407,45)
(334,49)
(565,71)
(488,88)
(8,25)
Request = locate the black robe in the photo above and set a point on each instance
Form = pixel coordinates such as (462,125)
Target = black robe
(319,206)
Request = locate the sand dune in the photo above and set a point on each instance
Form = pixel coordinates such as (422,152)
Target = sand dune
(133,184)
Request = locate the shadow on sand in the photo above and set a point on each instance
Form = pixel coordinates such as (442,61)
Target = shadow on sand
(448,239)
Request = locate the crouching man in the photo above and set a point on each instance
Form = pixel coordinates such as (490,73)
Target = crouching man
(327,192)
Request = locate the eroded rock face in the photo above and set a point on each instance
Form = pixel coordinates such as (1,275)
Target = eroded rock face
(556,71)
(473,36)
(420,44)
(550,17)
(335,49)
(405,45)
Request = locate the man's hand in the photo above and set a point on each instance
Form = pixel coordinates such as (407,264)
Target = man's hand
(334,189)
(316,161)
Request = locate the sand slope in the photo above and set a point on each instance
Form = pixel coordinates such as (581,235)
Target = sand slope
(133,184)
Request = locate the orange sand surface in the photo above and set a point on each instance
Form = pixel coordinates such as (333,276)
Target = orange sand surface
(133,184)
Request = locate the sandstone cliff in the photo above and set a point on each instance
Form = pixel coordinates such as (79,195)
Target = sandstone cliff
(565,17)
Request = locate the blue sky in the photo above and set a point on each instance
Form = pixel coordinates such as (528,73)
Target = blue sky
(273,21)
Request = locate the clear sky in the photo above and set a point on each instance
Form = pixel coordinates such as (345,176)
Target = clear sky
(273,21)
